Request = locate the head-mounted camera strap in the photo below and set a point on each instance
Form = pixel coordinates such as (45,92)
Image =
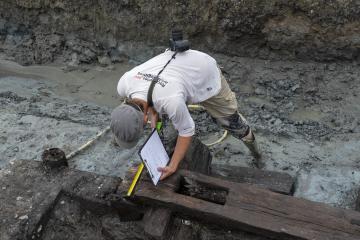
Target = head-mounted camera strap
(154,81)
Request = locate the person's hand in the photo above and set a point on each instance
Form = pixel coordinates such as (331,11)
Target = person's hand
(150,112)
(154,117)
(166,171)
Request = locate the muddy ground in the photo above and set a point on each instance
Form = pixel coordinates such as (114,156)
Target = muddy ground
(305,115)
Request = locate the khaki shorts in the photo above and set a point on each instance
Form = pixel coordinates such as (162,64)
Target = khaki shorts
(222,105)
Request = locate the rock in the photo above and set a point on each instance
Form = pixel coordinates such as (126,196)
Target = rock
(296,86)
(116,56)
(2,26)
(12,96)
(89,54)
(332,67)
(311,90)
(74,60)
(13,40)
(277,122)
(55,40)
(267,116)
(104,61)
(24,217)
(110,68)
(259,91)
(44,18)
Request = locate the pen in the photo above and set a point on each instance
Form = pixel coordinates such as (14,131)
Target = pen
(148,168)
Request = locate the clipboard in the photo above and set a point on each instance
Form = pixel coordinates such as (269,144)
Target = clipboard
(153,154)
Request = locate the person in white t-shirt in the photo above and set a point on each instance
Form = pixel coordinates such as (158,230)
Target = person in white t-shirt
(191,77)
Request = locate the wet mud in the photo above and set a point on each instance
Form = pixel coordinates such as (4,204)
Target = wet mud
(305,116)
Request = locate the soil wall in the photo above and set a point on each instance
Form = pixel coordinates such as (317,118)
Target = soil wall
(83,31)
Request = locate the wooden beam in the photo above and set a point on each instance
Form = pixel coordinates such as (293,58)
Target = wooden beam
(198,158)
(357,203)
(274,181)
(156,222)
(253,209)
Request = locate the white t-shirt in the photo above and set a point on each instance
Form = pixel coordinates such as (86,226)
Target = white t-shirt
(192,77)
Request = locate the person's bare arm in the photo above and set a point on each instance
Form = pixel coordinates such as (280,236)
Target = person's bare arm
(181,147)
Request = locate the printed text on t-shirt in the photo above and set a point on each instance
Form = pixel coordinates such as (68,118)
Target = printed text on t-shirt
(150,77)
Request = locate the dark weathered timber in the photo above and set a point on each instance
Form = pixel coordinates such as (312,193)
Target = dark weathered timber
(54,158)
(40,191)
(127,211)
(253,209)
(198,158)
(274,181)
(357,203)
(181,231)
(157,221)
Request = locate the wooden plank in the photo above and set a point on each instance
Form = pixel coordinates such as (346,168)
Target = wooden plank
(357,203)
(257,210)
(198,158)
(274,181)
(182,231)
(156,222)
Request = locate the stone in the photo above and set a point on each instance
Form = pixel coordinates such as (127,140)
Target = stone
(74,60)
(277,122)
(89,54)
(259,91)
(2,26)
(104,61)
(357,203)
(296,86)
(25,217)
(116,56)
(267,116)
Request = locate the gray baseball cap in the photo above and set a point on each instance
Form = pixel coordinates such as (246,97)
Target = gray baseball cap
(127,125)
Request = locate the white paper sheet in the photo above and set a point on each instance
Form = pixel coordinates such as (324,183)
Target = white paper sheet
(154,156)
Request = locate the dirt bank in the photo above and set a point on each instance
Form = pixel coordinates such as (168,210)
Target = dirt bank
(114,31)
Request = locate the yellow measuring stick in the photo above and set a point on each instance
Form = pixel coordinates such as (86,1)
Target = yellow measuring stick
(135,180)
(140,168)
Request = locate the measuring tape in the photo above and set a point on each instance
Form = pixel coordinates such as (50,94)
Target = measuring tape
(140,168)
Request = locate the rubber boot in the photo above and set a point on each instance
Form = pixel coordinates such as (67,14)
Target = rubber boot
(254,150)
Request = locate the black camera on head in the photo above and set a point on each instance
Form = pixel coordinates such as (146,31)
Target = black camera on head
(177,44)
